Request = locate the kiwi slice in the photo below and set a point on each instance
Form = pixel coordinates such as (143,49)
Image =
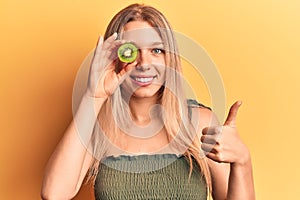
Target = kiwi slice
(127,52)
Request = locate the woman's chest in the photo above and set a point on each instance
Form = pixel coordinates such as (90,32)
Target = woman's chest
(158,176)
(127,143)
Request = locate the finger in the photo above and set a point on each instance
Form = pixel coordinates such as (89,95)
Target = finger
(101,45)
(98,49)
(207,148)
(107,44)
(209,139)
(231,118)
(214,157)
(114,45)
(212,130)
(107,55)
(110,40)
(112,51)
(125,71)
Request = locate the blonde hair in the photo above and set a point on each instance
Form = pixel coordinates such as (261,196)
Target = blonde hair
(171,98)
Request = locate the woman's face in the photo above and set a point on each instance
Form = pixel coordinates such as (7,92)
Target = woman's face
(148,70)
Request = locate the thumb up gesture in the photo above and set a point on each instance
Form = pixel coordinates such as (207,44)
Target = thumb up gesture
(222,143)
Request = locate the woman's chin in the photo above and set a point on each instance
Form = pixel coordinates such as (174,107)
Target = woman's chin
(146,92)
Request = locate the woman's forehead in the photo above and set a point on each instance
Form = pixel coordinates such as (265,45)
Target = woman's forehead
(141,33)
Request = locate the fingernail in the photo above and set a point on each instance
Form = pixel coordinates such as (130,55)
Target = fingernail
(115,35)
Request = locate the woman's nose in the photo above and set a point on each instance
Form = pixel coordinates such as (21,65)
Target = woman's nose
(143,60)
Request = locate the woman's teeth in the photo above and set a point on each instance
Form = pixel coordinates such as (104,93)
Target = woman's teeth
(144,80)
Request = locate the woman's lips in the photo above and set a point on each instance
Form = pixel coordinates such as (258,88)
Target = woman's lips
(143,80)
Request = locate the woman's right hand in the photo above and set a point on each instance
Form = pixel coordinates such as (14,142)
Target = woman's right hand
(103,79)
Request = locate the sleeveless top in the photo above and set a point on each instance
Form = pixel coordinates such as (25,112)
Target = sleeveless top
(150,176)
(156,176)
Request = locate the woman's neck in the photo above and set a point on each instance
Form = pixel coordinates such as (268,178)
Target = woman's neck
(143,110)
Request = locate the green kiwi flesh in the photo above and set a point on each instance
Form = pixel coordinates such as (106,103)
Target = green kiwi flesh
(127,52)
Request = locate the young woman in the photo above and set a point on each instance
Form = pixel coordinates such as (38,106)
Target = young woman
(135,136)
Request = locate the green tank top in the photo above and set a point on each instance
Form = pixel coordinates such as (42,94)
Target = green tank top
(158,176)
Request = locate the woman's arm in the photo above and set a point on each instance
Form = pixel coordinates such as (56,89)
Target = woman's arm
(228,157)
(241,184)
(219,171)
(70,161)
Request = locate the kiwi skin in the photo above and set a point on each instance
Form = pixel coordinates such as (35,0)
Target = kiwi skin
(127,52)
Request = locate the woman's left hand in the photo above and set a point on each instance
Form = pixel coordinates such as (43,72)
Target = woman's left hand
(222,143)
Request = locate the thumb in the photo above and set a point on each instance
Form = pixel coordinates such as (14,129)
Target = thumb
(231,118)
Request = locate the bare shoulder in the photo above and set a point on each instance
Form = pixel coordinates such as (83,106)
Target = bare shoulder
(201,116)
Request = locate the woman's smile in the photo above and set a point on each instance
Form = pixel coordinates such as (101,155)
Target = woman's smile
(142,80)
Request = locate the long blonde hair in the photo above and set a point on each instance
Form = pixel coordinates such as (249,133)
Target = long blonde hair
(171,98)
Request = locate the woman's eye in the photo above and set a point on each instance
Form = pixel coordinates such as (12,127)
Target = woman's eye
(157,51)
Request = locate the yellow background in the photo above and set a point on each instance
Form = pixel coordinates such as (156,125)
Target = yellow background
(255,45)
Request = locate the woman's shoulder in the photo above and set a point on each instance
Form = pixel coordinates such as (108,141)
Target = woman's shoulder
(201,114)
(194,103)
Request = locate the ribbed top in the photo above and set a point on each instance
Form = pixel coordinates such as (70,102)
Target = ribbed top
(159,176)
